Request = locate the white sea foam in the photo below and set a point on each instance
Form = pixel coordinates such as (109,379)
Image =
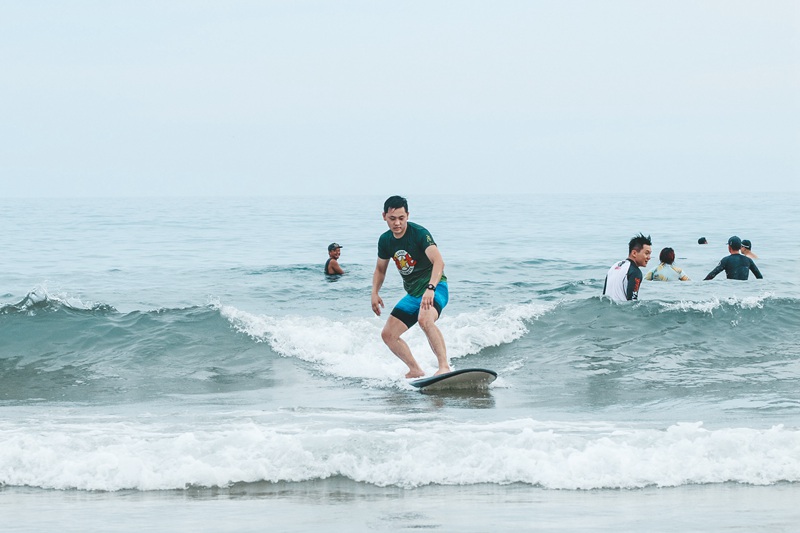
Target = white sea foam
(353,347)
(41,296)
(714,303)
(116,456)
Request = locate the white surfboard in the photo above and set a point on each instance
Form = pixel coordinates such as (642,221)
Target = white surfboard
(464,379)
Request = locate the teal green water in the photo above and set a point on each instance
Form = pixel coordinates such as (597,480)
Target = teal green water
(191,350)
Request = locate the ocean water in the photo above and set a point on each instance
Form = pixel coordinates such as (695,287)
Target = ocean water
(184,365)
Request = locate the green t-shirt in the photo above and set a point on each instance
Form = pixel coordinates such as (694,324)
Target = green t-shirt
(408,253)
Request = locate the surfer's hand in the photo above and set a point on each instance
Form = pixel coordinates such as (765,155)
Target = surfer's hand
(427,300)
(377,304)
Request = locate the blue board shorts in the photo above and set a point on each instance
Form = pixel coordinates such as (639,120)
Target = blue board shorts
(407,309)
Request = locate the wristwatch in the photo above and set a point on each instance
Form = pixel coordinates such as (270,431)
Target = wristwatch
(431,287)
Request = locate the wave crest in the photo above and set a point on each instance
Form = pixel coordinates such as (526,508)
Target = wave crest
(715,303)
(40,300)
(584,456)
(353,347)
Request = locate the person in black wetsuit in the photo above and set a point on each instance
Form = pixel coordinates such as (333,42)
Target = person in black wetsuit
(332,267)
(736,265)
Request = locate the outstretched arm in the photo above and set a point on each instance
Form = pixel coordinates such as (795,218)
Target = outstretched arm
(754,269)
(714,272)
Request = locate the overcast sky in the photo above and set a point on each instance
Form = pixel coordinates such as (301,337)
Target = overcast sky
(167,97)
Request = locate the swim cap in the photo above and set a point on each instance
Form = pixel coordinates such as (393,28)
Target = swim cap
(735,242)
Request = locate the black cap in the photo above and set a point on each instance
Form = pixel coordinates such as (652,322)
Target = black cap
(332,246)
(735,242)
(746,244)
(702,240)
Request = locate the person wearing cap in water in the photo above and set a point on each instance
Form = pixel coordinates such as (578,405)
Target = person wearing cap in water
(332,267)
(735,265)
(702,240)
(666,271)
(747,249)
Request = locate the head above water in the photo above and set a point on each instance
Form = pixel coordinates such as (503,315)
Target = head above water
(702,240)
(735,243)
(747,244)
(639,250)
(395,202)
(667,256)
(638,242)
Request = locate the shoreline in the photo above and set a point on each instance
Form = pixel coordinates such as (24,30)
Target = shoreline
(341,503)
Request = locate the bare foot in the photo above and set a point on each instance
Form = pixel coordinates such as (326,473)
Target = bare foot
(442,371)
(415,373)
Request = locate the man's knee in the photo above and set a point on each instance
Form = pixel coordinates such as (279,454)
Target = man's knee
(388,336)
(427,319)
(392,330)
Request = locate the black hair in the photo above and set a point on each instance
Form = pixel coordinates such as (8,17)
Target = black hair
(667,256)
(638,242)
(395,202)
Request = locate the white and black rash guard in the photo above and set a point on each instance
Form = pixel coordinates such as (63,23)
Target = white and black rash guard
(622,281)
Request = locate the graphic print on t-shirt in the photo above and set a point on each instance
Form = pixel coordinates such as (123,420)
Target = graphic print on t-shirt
(405,263)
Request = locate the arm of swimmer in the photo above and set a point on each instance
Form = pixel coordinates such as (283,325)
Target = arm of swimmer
(377,282)
(334,267)
(714,272)
(754,269)
(634,282)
